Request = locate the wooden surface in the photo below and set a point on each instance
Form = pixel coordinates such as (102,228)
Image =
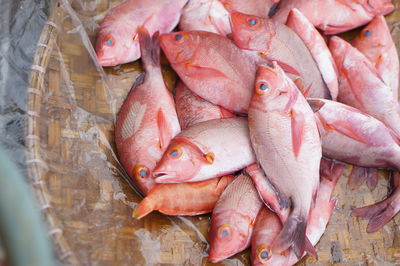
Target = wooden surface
(84,192)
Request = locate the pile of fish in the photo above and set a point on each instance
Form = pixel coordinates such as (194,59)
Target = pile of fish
(268,109)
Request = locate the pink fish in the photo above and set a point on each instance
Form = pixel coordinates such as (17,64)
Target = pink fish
(360,175)
(117,39)
(205,15)
(285,139)
(361,86)
(192,109)
(226,80)
(233,219)
(261,8)
(382,212)
(271,41)
(338,15)
(267,192)
(351,136)
(206,150)
(318,48)
(268,225)
(376,43)
(184,198)
(147,120)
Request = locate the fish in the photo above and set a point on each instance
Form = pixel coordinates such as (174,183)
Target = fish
(270,41)
(352,136)
(360,85)
(360,175)
(318,48)
(268,225)
(376,43)
(233,219)
(382,212)
(118,39)
(226,80)
(267,192)
(192,109)
(147,120)
(184,198)
(205,15)
(206,150)
(338,16)
(286,142)
(261,8)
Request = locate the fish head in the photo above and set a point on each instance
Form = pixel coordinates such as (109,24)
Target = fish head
(228,235)
(374,34)
(252,32)
(272,90)
(179,47)
(338,48)
(180,162)
(117,44)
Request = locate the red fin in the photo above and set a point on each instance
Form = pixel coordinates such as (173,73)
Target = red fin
(149,47)
(297,123)
(200,72)
(315,104)
(357,177)
(293,234)
(332,204)
(288,69)
(372,179)
(331,170)
(145,207)
(310,249)
(382,212)
(164,131)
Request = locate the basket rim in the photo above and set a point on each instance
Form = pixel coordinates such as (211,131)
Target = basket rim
(35,166)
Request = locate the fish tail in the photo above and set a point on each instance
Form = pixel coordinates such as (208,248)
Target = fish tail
(293,235)
(149,48)
(145,207)
(382,212)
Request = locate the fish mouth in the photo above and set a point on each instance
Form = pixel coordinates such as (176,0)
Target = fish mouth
(107,61)
(165,177)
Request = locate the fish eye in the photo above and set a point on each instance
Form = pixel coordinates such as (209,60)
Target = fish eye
(252,22)
(109,40)
(367,33)
(175,152)
(178,37)
(141,172)
(261,88)
(224,231)
(263,254)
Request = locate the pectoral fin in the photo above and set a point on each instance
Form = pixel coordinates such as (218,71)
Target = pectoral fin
(298,124)
(201,72)
(164,130)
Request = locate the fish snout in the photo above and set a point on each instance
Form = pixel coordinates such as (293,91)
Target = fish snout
(106,61)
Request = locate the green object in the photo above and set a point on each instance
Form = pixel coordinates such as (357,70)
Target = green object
(21,228)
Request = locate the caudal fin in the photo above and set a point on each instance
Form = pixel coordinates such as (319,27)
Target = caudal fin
(382,212)
(360,175)
(149,48)
(293,235)
(145,207)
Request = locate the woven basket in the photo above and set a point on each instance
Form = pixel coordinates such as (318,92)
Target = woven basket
(84,193)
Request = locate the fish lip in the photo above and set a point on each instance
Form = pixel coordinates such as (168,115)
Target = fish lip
(104,61)
(165,177)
